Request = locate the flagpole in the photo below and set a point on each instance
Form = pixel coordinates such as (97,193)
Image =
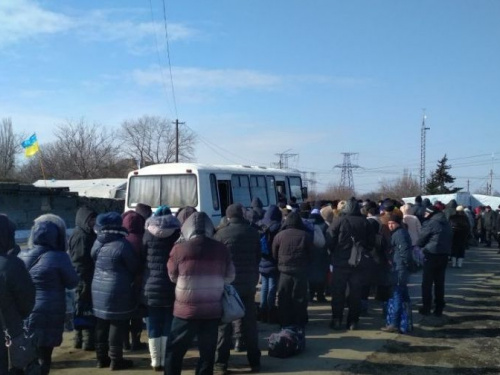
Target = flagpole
(41,165)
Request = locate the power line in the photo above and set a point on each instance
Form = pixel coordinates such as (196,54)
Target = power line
(168,55)
(346,179)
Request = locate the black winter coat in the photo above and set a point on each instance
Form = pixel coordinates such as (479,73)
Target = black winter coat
(436,235)
(116,265)
(243,241)
(350,224)
(292,246)
(80,244)
(461,231)
(161,234)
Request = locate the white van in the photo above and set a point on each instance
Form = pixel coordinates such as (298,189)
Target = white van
(210,188)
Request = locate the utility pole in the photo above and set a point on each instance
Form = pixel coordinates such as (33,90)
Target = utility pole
(177,139)
(346,179)
(284,156)
(422,152)
(490,186)
(468,186)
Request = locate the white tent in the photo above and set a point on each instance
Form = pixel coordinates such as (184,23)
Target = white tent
(97,188)
(462,198)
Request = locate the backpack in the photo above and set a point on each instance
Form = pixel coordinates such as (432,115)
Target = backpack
(287,342)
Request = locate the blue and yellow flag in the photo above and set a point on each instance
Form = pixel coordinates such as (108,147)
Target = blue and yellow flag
(30,146)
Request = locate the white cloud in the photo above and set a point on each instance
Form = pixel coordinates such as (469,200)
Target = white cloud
(22,19)
(25,19)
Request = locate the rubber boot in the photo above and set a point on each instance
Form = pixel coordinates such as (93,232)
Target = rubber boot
(101,351)
(460,262)
(155,352)
(163,353)
(117,360)
(453,262)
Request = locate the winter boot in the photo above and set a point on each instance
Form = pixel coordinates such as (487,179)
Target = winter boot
(453,262)
(78,339)
(117,360)
(88,340)
(101,351)
(155,352)
(164,341)
(460,262)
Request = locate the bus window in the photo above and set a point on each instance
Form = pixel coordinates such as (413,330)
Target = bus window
(241,189)
(224,187)
(258,189)
(281,191)
(144,189)
(213,189)
(171,190)
(295,187)
(271,190)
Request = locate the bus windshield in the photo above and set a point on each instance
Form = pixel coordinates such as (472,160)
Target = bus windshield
(172,190)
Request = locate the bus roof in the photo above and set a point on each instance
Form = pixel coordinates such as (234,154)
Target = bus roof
(175,168)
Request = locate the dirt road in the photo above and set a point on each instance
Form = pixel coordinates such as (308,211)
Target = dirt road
(465,341)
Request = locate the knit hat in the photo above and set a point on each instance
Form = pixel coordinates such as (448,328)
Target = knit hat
(388,205)
(234,210)
(460,208)
(108,220)
(163,210)
(144,210)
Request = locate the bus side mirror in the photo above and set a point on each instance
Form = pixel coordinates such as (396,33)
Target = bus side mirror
(304,192)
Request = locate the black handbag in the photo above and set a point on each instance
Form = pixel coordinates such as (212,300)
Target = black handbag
(22,349)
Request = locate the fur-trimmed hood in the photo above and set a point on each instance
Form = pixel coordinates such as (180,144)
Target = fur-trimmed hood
(49,230)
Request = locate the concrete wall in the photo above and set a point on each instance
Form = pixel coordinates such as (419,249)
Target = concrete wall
(23,203)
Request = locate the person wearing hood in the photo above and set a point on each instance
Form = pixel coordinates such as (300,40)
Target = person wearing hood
(199,267)
(435,241)
(80,243)
(461,231)
(134,222)
(257,207)
(489,225)
(418,209)
(268,269)
(339,238)
(319,265)
(158,291)
(52,272)
(243,242)
(17,291)
(292,249)
(182,215)
(116,267)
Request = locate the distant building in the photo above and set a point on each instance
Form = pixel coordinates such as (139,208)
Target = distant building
(97,188)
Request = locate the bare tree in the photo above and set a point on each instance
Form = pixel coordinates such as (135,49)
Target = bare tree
(81,151)
(405,186)
(151,139)
(10,145)
(334,192)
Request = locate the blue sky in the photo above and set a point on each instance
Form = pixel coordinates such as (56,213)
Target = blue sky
(256,78)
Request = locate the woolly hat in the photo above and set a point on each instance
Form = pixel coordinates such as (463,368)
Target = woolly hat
(460,208)
(395,218)
(108,220)
(163,210)
(388,205)
(234,210)
(144,210)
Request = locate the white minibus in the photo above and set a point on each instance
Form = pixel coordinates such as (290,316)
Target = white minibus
(211,188)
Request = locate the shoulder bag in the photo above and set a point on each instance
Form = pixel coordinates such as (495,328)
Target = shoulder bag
(232,306)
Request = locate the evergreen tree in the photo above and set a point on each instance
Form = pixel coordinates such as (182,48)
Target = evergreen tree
(439,178)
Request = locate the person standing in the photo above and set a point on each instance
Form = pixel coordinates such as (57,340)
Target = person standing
(243,242)
(158,291)
(116,266)
(489,225)
(17,291)
(80,243)
(400,250)
(351,224)
(52,272)
(461,232)
(292,249)
(199,266)
(435,241)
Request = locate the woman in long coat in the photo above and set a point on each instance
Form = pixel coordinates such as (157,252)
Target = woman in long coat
(52,272)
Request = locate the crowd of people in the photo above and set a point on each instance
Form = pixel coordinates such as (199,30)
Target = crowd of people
(169,270)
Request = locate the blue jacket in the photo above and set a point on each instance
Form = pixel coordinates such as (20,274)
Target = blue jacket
(401,251)
(52,273)
(116,265)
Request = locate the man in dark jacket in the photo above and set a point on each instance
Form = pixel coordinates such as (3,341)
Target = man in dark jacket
(435,240)
(243,241)
(17,291)
(80,243)
(292,248)
(489,224)
(351,224)
(418,209)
